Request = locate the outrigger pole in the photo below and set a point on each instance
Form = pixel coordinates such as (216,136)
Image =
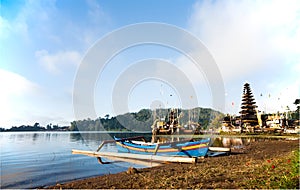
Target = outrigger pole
(154,158)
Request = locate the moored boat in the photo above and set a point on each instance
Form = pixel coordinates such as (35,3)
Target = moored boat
(192,148)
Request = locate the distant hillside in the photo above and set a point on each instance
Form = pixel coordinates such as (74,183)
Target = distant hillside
(36,127)
(143,120)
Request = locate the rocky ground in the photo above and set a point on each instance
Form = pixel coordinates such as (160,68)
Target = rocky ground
(257,165)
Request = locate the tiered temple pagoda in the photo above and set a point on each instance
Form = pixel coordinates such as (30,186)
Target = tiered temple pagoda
(248,112)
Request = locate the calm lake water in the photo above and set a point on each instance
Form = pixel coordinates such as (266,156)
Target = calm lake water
(34,159)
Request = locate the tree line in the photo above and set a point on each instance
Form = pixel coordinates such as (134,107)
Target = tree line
(144,119)
(36,127)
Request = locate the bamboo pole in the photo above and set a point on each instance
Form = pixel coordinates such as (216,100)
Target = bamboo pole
(103,143)
(123,139)
(129,160)
(156,149)
(137,156)
(219,149)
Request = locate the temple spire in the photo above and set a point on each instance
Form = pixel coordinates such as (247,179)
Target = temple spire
(248,112)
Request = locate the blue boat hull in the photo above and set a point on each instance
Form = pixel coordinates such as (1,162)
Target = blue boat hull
(189,149)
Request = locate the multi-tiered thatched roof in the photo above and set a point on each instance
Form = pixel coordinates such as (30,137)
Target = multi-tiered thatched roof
(248,112)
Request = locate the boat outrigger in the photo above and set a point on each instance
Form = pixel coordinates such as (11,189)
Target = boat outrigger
(136,151)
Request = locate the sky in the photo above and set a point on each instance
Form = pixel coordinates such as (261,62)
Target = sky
(44,43)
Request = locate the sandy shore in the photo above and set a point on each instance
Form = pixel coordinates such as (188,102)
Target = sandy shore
(235,171)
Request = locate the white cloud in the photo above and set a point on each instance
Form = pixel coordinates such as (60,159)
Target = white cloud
(14,89)
(247,36)
(55,62)
(24,102)
(191,71)
(14,84)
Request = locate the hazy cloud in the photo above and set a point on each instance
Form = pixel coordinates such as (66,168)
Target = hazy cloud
(54,63)
(245,36)
(14,89)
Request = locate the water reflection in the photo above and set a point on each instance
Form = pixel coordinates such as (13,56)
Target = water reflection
(34,136)
(19,137)
(236,142)
(232,142)
(229,142)
(48,136)
(99,137)
(74,137)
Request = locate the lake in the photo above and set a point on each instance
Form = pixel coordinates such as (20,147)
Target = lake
(35,159)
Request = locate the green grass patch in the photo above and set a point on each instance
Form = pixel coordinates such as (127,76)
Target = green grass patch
(282,173)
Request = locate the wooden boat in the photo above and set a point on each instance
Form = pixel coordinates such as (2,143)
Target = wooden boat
(191,148)
(135,151)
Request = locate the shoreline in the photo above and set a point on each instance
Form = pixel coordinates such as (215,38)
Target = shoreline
(234,171)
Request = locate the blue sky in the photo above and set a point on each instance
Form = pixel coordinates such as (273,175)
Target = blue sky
(43,43)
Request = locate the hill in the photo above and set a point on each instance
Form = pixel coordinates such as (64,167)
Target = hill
(143,120)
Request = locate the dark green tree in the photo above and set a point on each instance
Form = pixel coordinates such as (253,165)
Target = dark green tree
(49,126)
(73,126)
(296,114)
